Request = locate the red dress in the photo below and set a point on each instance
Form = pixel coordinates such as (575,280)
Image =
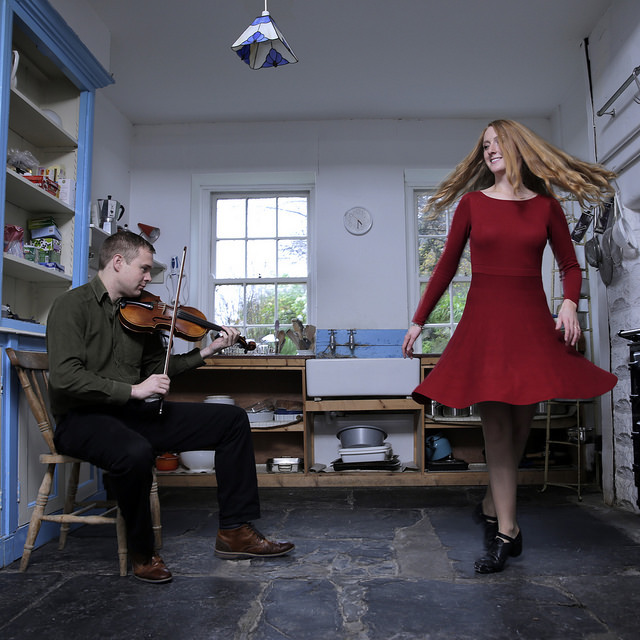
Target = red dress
(505,347)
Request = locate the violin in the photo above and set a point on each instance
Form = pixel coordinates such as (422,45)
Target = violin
(148,313)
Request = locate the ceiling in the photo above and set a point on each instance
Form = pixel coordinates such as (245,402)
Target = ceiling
(358,58)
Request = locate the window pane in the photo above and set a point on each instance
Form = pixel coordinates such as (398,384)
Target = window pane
(430,227)
(292,216)
(460,290)
(261,218)
(261,258)
(429,252)
(292,258)
(230,217)
(229,304)
(441,312)
(464,267)
(260,243)
(434,339)
(261,304)
(257,333)
(229,259)
(292,302)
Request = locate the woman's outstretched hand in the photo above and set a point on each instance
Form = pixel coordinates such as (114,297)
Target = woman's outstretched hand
(568,318)
(410,337)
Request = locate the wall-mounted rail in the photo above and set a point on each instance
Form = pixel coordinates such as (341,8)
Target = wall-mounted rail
(618,93)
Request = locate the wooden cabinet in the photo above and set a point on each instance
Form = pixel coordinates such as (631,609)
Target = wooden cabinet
(251,379)
(47,112)
(467,443)
(41,92)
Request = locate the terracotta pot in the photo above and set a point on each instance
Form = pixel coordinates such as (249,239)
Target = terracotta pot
(167,462)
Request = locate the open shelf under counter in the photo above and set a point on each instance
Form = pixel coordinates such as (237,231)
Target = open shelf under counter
(278,425)
(367,478)
(558,421)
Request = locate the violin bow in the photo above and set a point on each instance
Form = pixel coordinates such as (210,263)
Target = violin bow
(173,322)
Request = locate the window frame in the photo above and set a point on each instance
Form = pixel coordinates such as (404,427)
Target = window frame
(245,281)
(419,181)
(203,188)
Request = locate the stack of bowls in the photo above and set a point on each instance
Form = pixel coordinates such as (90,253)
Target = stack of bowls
(363,443)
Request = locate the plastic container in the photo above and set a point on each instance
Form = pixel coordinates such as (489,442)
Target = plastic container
(260,416)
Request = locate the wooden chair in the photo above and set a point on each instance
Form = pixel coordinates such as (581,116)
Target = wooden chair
(32,368)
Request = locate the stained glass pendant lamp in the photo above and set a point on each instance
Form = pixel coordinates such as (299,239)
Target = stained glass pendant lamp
(263,45)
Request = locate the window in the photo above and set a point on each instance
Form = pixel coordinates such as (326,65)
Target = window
(259,260)
(431,238)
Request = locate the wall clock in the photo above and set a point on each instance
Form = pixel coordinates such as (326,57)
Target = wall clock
(358,221)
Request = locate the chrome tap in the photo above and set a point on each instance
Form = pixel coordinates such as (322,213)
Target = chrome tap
(352,340)
(332,341)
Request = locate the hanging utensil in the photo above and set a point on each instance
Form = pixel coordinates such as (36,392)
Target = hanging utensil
(592,251)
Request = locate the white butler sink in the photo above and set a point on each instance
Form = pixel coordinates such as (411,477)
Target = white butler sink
(347,377)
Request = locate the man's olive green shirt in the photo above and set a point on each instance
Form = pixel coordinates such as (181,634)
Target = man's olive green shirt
(93,359)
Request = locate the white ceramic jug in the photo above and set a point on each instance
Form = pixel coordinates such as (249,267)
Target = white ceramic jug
(14,69)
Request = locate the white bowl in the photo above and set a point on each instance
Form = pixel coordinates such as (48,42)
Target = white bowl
(219,400)
(198,461)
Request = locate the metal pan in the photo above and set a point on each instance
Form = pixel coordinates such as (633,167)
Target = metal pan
(592,251)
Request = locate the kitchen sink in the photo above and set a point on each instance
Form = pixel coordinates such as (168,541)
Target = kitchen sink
(349,377)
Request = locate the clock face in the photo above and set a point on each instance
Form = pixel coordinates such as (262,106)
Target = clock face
(358,221)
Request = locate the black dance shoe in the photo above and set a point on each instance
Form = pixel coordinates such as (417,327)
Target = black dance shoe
(501,548)
(489,524)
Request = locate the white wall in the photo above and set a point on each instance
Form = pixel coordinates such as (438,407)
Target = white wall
(615,52)
(112,132)
(361,281)
(81,17)
(112,139)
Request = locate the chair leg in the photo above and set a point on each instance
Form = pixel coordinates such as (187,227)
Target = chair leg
(121,535)
(36,516)
(69,502)
(155,513)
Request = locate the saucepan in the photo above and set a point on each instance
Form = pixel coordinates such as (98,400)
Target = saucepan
(622,233)
(592,251)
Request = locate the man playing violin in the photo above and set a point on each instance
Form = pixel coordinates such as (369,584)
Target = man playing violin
(102,376)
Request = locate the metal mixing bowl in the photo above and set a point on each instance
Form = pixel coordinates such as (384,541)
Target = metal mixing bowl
(361,436)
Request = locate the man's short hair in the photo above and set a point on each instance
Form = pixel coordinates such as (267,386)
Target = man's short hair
(125,243)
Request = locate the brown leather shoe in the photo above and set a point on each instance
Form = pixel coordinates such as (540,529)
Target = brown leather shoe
(154,570)
(247,542)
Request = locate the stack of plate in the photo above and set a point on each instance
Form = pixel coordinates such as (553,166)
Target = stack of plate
(366,454)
